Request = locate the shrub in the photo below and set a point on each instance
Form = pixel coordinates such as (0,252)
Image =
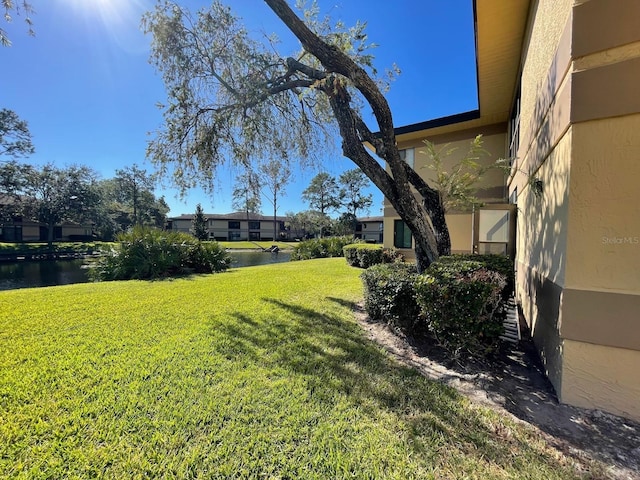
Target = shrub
(389,293)
(364,255)
(320,248)
(146,253)
(461,302)
(207,257)
(496,263)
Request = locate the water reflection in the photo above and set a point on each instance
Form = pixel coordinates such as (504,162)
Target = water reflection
(26,274)
(249,259)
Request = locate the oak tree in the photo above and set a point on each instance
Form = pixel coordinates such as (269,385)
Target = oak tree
(231,97)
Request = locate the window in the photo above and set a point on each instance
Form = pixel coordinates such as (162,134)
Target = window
(233,225)
(407,155)
(254,225)
(234,235)
(401,235)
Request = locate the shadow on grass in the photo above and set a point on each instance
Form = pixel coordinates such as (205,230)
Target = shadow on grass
(515,379)
(337,361)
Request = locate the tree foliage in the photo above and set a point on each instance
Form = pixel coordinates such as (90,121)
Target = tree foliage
(199,224)
(352,183)
(13,177)
(307,223)
(345,224)
(19,7)
(230,97)
(133,182)
(53,195)
(15,137)
(274,176)
(323,193)
(127,201)
(246,193)
(458,184)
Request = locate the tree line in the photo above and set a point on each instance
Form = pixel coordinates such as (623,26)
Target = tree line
(54,195)
(325,194)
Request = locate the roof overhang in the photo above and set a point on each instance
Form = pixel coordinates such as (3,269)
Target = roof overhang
(500,28)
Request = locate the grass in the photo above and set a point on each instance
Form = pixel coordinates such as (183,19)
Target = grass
(259,372)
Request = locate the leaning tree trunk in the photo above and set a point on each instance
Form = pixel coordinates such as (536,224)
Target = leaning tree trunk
(397,190)
(396,184)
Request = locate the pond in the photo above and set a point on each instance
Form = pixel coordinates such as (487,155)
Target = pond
(249,259)
(27,274)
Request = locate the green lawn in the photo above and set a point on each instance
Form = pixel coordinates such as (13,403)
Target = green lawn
(258,372)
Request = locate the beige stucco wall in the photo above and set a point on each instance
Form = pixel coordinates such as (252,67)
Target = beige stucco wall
(461,230)
(597,376)
(541,254)
(544,155)
(579,241)
(604,222)
(547,23)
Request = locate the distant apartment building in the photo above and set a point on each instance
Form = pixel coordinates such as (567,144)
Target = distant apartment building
(235,226)
(370,229)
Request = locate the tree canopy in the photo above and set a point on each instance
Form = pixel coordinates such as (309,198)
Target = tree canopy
(231,97)
(15,137)
(352,182)
(323,193)
(53,195)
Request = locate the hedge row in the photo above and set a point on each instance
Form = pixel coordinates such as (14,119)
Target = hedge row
(365,255)
(321,248)
(461,299)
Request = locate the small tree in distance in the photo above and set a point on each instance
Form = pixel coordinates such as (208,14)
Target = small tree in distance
(199,224)
(275,175)
(353,182)
(322,194)
(246,194)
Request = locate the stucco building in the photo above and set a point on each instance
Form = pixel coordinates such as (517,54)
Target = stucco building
(234,226)
(558,95)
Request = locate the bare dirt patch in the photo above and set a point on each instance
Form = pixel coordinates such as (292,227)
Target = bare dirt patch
(514,383)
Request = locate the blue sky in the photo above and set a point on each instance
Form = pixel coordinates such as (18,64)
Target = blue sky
(89,94)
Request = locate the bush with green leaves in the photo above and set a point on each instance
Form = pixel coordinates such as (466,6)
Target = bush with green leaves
(364,255)
(147,253)
(462,304)
(321,248)
(496,263)
(389,293)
